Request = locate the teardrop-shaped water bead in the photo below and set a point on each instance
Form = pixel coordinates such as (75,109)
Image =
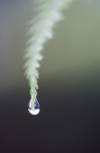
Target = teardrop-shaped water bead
(36,109)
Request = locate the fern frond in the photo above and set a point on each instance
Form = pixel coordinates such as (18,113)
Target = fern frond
(47,13)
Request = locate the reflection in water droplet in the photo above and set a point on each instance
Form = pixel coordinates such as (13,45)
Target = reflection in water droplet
(36,109)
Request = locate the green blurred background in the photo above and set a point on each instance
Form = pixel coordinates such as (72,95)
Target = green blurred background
(69,82)
(71,58)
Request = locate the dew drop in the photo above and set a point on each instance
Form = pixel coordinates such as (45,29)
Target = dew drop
(36,109)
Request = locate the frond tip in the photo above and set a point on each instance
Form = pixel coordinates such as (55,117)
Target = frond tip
(40,32)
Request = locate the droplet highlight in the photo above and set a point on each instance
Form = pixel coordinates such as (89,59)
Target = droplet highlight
(36,109)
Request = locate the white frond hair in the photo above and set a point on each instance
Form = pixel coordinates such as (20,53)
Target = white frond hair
(47,13)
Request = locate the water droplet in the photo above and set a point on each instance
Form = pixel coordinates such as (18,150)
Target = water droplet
(36,109)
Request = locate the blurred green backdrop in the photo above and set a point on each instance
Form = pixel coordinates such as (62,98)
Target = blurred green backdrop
(71,58)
